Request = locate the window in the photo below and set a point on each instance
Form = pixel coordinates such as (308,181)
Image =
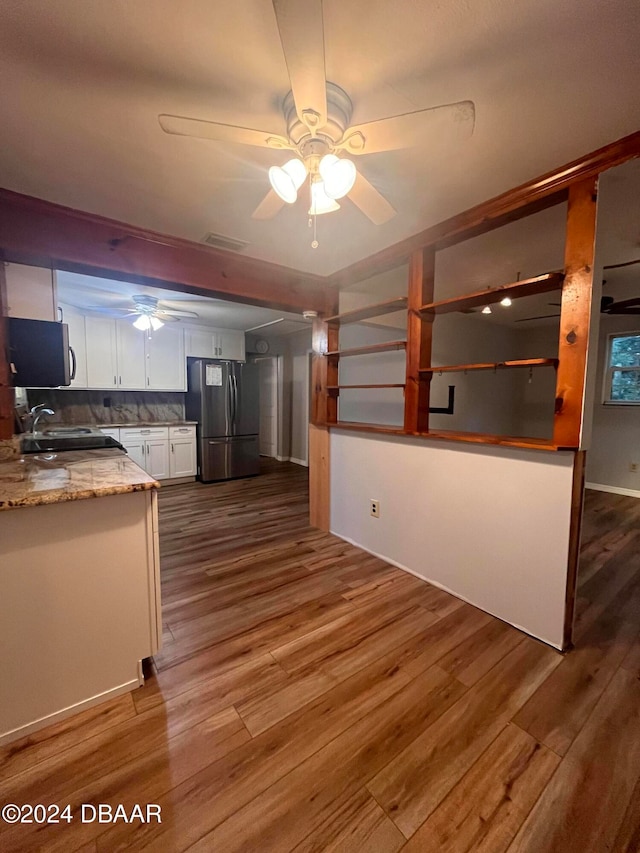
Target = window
(622,377)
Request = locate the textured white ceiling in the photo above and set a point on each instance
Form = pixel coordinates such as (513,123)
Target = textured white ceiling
(84,80)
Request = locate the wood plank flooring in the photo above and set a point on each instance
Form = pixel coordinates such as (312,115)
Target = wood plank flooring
(310,697)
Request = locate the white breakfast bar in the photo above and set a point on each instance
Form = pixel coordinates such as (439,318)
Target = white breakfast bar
(79,584)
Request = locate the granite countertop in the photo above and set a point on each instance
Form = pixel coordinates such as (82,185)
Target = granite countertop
(132,424)
(47,478)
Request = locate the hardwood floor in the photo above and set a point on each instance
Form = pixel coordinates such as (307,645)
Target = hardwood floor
(310,697)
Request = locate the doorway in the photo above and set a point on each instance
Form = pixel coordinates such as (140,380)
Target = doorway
(268,378)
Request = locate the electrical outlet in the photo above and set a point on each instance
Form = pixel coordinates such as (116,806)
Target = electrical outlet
(375,508)
(633,467)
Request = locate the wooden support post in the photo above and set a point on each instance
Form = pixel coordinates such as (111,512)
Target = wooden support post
(577,505)
(419,334)
(319,478)
(7,394)
(575,313)
(324,372)
(324,411)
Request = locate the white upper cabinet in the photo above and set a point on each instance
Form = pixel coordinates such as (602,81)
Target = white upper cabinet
(232,344)
(166,364)
(130,356)
(78,344)
(121,356)
(215,343)
(31,292)
(102,365)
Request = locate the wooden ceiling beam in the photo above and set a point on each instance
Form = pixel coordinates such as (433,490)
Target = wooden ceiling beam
(524,200)
(42,233)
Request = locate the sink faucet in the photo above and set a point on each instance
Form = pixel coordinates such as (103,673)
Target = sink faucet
(38,412)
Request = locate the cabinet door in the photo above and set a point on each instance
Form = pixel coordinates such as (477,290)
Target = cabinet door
(101,352)
(200,344)
(166,360)
(157,452)
(130,356)
(30,292)
(136,450)
(232,344)
(182,461)
(78,344)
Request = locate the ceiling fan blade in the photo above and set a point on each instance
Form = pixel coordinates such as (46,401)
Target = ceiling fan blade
(365,196)
(541,317)
(269,206)
(302,36)
(111,312)
(177,313)
(201,129)
(447,124)
(166,318)
(624,306)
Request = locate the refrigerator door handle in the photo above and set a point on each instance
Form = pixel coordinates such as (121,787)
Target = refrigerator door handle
(235,400)
(228,405)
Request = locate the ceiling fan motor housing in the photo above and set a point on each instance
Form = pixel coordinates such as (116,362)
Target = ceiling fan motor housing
(339,109)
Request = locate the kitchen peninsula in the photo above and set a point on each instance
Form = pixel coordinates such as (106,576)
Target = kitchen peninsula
(79,583)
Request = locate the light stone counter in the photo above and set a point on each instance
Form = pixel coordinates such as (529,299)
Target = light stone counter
(50,478)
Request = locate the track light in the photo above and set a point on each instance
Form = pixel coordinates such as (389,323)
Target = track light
(506,302)
(486,309)
(286,180)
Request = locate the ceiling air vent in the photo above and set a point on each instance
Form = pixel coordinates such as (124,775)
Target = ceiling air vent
(229,244)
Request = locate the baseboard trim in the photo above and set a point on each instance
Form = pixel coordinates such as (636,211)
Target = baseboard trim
(299,462)
(58,716)
(614,490)
(281,458)
(397,565)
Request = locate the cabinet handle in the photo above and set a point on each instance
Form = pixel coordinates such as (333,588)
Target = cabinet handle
(114,380)
(119,380)
(172,450)
(145,431)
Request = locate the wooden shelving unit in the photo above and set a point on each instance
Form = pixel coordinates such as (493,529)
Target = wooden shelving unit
(388,346)
(379,309)
(495,365)
(335,389)
(515,290)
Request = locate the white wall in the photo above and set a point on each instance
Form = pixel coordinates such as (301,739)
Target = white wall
(299,345)
(490,525)
(615,440)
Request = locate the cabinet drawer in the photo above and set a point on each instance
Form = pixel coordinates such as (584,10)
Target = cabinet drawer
(143,433)
(182,431)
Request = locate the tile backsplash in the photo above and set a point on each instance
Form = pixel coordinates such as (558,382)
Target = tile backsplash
(108,407)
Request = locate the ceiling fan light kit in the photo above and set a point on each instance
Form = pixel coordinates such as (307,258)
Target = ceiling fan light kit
(317,116)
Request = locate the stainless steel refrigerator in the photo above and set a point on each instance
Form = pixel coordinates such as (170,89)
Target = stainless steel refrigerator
(223,397)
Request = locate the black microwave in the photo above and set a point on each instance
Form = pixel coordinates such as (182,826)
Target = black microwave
(39,353)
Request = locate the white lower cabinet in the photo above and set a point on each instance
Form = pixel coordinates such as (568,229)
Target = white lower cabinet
(157,453)
(163,452)
(182,457)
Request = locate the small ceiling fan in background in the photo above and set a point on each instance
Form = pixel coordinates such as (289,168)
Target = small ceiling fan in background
(317,117)
(150,313)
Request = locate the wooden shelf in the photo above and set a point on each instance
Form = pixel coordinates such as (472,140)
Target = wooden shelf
(452,435)
(335,389)
(515,290)
(525,362)
(369,311)
(364,427)
(388,346)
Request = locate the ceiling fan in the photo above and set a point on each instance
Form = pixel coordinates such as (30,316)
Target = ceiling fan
(317,117)
(150,313)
